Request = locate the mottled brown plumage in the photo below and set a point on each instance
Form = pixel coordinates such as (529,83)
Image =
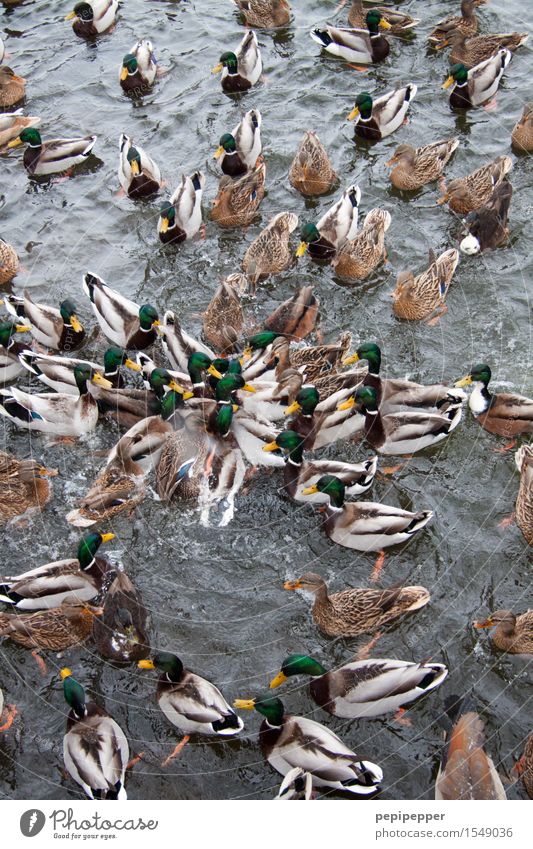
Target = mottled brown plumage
(512,633)
(23,486)
(417,297)
(466,22)
(297,316)
(524,499)
(399,21)
(12,87)
(223,318)
(317,359)
(56,629)
(237,201)
(522,135)
(120,633)
(311,172)
(465,194)
(9,262)
(265,14)
(527,766)
(358,257)
(270,251)
(414,167)
(471,51)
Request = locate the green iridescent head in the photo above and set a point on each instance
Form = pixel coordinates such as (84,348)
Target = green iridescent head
(167,213)
(148,317)
(270,707)
(227,386)
(297,664)
(168,663)
(260,341)
(130,63)
(371,352)
(74,693)
(366,398)
(459,73)
(199,362)
(31,136)
(373,20)
(67,308)
(88,547)
(228,143)
(7,332)
(306,401)
(332,486)
(364,103)
(309,234)
(291,443)
(229,61)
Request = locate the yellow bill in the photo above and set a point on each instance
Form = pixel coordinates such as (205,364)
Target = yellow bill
(244,704)
(107,537)
(214,371)
(132,365)
(146,664)
(14,142)
(310,490)
(465,381)
(347,405)
(384,24)
(249,388)
(353,114)
(71,16)
(279,679)
(351,359)
(163,225)
(156,323)
(217,69)
(292,585)
(135,168)
(449,82)
(76,324)
(65,673)
(246,354)
(22,328)
(272,446)
(123,74)
(102,381)
(301,249)
(218,152)
(293,408)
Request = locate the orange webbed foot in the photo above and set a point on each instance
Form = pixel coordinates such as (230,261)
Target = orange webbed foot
(181,745)
(10,713)
(364,652)
(378,566)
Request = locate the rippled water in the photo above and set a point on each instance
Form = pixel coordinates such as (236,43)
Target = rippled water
(215,595)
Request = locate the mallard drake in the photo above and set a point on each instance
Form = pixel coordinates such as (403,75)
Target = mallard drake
(53,412)
(238,200)
(403,431)
(95,749)
(471,51)
(93,17)
(295,741)
(525,765)
(265,14)
(120,633)
(58,372)
(468,193)
(311,172)
(191,703)
(363,46)
(377,119)
(394,393)
(23,486)
(54,630)
(418,297)
(223,318)
(239,150)
(181,217)
(139,68)
(72,580)
(524,499)
(297,316)
(52,156)
(59,329)
(12,124)
(353,612)
(364,688)
(400,23)
(12,87)
(487,226)
(356,477)
(359,256)
(522,135)
(9,262)
(478,85)
(10,366)
(466,771)
(242,69)
(512,633)
(364,525)
(466,22)
(504,414)
(413,167)
(269,252)
(138,174)
(337,225)
(122,321)
(319,421)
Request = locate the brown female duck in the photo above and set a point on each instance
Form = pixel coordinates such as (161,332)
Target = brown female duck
(522,135)
(512,633)
(55,630)
(311,172)
(468,193)
(524,499)
(23,486)
(413,167)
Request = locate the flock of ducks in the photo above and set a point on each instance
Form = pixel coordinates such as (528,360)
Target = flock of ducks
(206,420)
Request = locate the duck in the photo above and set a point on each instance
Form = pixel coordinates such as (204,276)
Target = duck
(322,754)
(24,486)
(311,172)
(524,499)
(400,23)
(365,525)
(319,421)
(129,406)
(353,612)
(54,630)
(53,412)
(512,633)
(360,255)
(12,124)
(357,478)
(182,472)
(296,316)
(466,771)
(363,46)
(238,200)
(121,632)
(395,394)
(239,150)
(181,217)
(466,22)
(95,748)
(416,298)
(478,85)
(12,87)
(525,765)
(364,688)
(403,431)
(270,252)
(138,174)
(9,262)
(522,134)
(139,68)
(377,119)
(58,372)
(179,345)
(313,360)
(42,158)
(10,365)
(413,167)
(240,70)
(487,226)
(191,703)
(58,329)
(73,580)
(223,319)
(265,14)
(123,322)
(336,226)
(465,194)
(93,17)
(471,51)
(504,413)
